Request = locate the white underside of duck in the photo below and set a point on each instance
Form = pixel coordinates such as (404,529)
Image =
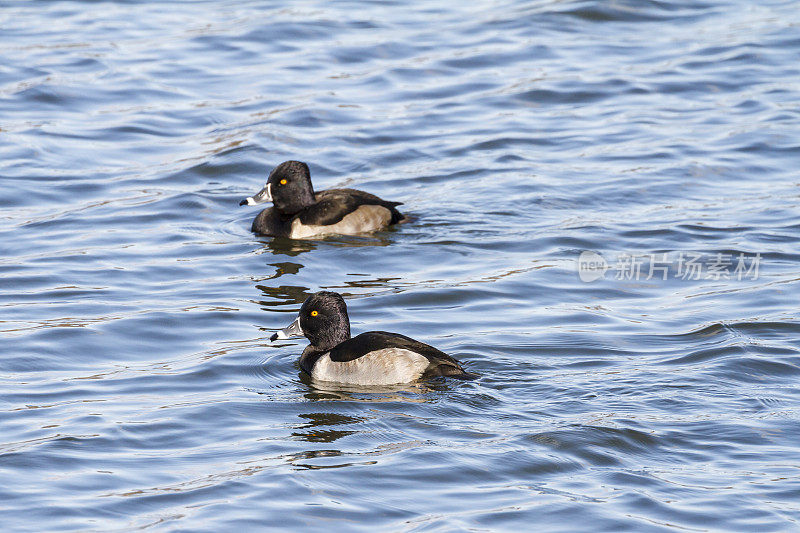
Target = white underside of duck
(365,218)
(381,367)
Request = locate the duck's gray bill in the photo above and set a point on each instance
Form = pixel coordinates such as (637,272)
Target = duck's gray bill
(292,330)
(264,195)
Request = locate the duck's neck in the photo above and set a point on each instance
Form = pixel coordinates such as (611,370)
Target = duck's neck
(308,198)
(320,347)
(329,342)
(309,359)
(291,205)
(326,339)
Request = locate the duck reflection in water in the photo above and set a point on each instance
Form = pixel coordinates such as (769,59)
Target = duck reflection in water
(320,427)
(326,426)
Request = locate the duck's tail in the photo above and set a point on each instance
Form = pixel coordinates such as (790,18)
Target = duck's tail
(451,370)
(463,374)
(397,216)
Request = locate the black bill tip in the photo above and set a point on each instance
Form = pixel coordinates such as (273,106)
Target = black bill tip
(243,202)
(273,338)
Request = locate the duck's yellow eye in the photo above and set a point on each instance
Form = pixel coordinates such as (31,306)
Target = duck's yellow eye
(314,313)
(283,182)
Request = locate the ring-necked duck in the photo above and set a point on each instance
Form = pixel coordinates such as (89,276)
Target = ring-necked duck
(300,213)
(372,358)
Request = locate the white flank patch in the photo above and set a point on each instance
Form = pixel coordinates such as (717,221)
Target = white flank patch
(381,367)
(365,218)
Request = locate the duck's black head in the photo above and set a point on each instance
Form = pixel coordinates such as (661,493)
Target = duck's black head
(323,319)
(288,188)
(290,184)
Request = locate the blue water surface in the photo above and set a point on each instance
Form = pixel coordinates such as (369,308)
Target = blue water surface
(139,386)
